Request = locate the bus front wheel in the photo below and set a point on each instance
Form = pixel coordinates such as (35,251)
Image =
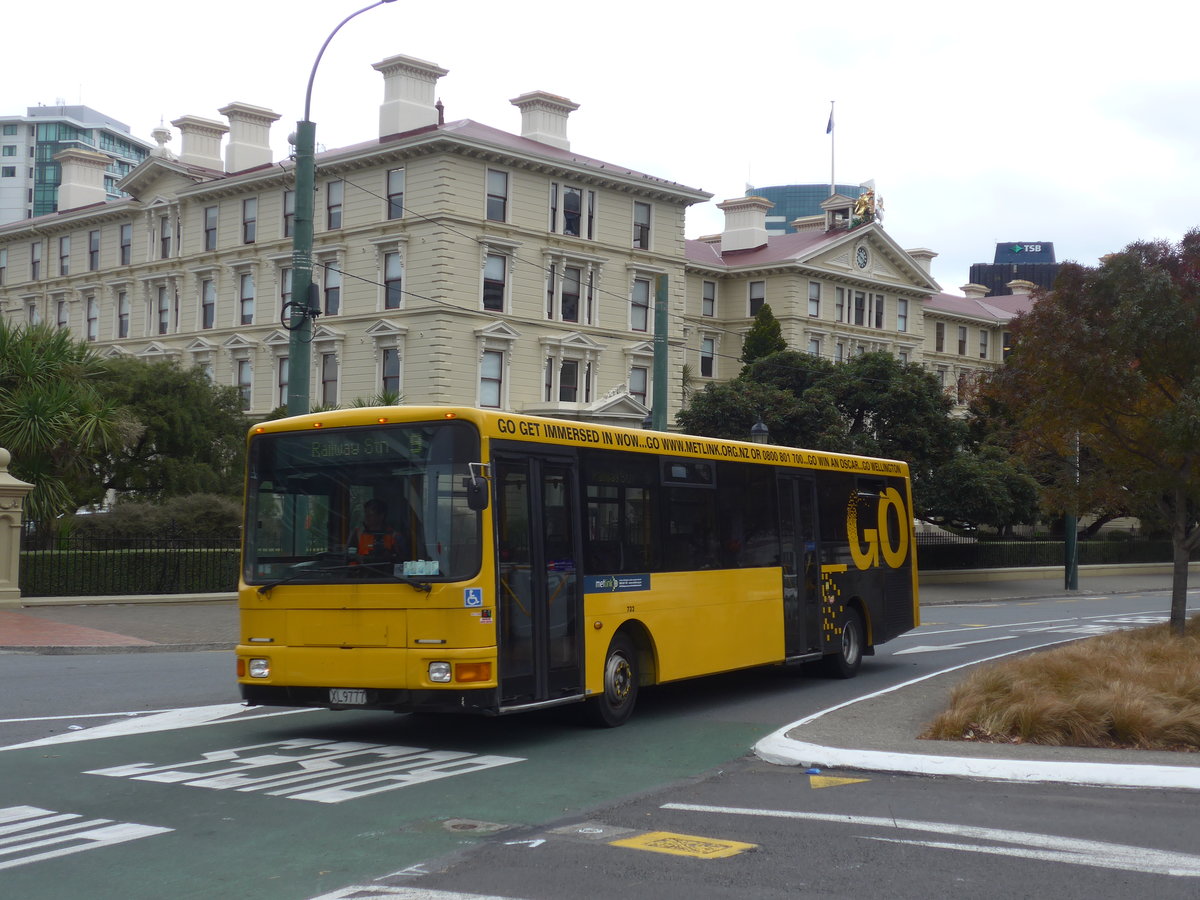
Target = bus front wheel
(615,705)
(845,660)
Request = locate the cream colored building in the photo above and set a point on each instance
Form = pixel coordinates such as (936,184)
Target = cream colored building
(458,264)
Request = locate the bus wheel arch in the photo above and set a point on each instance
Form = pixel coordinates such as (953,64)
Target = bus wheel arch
(851,643)
(628,664)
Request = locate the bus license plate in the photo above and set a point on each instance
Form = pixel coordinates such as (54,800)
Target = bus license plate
(348,696)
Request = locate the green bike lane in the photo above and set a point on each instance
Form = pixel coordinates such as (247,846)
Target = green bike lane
(297,805)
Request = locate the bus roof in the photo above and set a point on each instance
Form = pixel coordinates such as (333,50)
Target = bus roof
(499,425)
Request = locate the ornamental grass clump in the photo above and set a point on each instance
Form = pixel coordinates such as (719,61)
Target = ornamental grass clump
(1137,689)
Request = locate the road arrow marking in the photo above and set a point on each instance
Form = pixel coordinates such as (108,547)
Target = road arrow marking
(959,646)
(824,781)
(536,842)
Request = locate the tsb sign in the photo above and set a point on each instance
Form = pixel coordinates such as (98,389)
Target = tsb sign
(889,537)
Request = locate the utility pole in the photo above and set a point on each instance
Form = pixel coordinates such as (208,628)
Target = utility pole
(306,306)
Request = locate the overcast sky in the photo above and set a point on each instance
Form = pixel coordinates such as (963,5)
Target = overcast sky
(980,123)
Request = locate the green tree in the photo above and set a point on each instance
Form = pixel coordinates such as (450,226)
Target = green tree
(55,418)
(764,337)
(193,431)
(982,488)
(1107,367)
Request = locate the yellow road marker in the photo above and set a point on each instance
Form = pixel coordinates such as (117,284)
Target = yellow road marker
(824,781)
(684,845)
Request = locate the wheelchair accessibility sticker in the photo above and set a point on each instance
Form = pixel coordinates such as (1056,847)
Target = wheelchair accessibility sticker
(472,597)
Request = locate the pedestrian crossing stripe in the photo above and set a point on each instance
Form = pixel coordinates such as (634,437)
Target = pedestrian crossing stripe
(824,781)
(684,845)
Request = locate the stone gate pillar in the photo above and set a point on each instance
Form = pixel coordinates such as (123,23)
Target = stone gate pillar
(12,498)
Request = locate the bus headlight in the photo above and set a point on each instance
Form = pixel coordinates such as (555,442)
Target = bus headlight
(259,667)
(439,672)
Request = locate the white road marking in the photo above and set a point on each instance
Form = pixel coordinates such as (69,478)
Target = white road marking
(1030,845)
(932,648)
(29,833)
(187,717)
(378,892)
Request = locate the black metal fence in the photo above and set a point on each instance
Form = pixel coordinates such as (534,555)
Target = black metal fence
(91,566)
(936,552)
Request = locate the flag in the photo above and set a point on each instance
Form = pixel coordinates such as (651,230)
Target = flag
(829,127)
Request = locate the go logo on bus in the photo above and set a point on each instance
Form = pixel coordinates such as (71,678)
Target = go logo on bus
(867,545)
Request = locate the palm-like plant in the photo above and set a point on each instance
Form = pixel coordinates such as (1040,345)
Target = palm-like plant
(52,419)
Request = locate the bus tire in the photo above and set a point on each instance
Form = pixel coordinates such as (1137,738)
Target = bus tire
(845,660)
(614,707)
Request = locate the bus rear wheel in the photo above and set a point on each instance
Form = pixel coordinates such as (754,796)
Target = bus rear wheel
(845,660)
(615,705)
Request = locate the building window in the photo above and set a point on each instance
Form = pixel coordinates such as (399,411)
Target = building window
(126,244)
(208,303)
(495,270)
(572,211)
(122,314)
(334,191)
(571,284)
(568,381)
(983,343)
(93,319)
(393,279)
(491,379)
(708,299)
(281,381)
(641,225)
(8,171)
(64,255)
(839,352)
(245,381)
(289,213)
(249,219)
(389,366)
(497,195)
(639,309)
(639,383)
(962,340)
(814,298)
(758,296)
(1006,344)
(35,260)
(814,346)
(246,299)
(63,314)
(163,310)
(164,237)
(902,315)
(33,315)
(3,264)
(903,357)
(860,308)
(880,304)
(570,293)
(9,150)
(329,379)
(839,304)
(395,194)
(210,227)
(333,291)
(939,337)
(93,250)
(285,286)
(708,357)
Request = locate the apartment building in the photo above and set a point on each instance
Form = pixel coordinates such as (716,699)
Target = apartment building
(458,263)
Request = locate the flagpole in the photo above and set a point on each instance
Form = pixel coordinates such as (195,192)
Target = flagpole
(829,131)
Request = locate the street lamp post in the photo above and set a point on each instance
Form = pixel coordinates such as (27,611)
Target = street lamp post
(308,307)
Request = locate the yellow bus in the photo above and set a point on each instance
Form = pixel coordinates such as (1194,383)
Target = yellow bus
(414,558)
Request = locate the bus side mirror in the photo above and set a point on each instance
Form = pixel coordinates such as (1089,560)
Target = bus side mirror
(477,487)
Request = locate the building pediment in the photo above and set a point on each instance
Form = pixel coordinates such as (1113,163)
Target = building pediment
(156,350)
(157,177)
(499,330)
(240,342)
(869,254)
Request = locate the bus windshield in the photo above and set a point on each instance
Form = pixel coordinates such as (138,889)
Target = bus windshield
(376,503)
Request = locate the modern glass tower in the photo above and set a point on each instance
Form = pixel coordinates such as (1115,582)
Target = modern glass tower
(795,201)
(29,175)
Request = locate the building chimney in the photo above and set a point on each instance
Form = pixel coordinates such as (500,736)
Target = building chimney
(1021,286)
(922,257)
(975,291)
(201,139)
(249,136)
(409,85)
(745,223)
(82,178)
(544,117)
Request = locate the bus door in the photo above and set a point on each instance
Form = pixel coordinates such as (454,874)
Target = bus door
(539,603)
(801,566)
